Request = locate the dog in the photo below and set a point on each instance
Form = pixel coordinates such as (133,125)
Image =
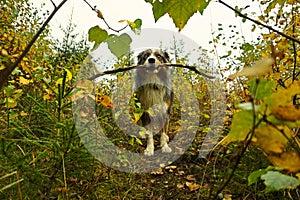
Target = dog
(153,88)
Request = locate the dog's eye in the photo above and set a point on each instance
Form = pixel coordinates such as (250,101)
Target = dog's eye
(159,57)
(146,56)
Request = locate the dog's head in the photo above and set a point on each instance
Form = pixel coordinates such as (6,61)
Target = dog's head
(151,57)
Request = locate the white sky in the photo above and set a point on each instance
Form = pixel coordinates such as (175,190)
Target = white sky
(198,28)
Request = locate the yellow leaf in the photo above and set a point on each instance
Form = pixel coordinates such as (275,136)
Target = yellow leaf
(261,67)
(286,160)
(158,172)
(191,177)
(180,185)
(69,75)
(48,96)
(298,175)
(59,81)
(11,103)
(24,80)
(286,113)
(206,116)
(105,101)
(4,52)
(23,113)
(99,14)
(2,67)
(137,116)
(283,98)
(192,186)
(270,139)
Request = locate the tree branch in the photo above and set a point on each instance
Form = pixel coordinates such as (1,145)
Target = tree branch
(101,17)
(4,74)
(114,71)
(259,23)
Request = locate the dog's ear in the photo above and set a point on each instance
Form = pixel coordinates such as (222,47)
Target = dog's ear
(139,57)
(167,57)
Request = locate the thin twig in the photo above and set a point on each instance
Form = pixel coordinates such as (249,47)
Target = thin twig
(108,26)
(259,23)
(114,71)
(294,45)
(247,141)
(53,3)
(9,69)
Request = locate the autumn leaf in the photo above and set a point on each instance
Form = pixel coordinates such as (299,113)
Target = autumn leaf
(191,178)
(105,101)
(134,26)
(23,113)
(99,14)
(192,186)
(69,75)
(286,160)
(261,67)
(24,81)
(158,172)
(11,103)
(137,116)
(286,113)
(281,104)
(270,139)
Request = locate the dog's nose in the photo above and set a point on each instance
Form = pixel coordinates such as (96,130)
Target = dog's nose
(151,60)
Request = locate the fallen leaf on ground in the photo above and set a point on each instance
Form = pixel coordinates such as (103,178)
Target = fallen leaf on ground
(192,186)
(190,178)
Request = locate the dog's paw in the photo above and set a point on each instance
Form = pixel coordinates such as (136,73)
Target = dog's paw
(149,151)
(166,149)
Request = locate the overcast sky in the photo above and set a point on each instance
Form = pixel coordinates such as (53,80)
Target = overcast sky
(198,28)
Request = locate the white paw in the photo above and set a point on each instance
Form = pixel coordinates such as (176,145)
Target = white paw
(166,149)
(149,151)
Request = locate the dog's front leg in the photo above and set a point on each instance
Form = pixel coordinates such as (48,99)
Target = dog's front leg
(164,139)
(149,151)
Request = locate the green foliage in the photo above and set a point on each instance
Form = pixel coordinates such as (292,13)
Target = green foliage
(119,45)
(277,181)
(241,126)
(264,89)
(97,35)
(41,153)
(179,11)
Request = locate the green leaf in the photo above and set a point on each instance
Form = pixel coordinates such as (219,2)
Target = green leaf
(203,5)
(255,176)
(247,47)
(277,181)
(119,45)
(138,141)
(241,125)
(97,35)
(158,10)
(181,11)
(136,26)
(149,1)
(264,88)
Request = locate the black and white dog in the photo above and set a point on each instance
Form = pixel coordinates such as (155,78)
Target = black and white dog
(153,87)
